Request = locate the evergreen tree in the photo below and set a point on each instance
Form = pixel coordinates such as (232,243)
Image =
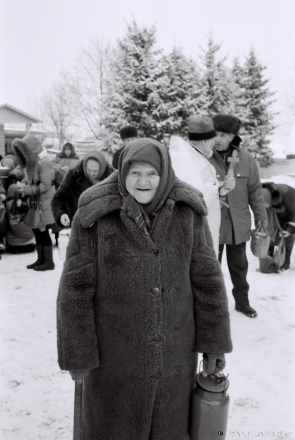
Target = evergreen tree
(258,123)
(216,83)
(133,91)
(178,93)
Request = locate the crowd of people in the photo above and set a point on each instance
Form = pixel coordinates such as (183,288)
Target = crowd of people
(142,291)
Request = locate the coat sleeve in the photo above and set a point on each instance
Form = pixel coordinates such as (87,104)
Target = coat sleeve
(46,177)
(76,331)
(210,298)
(62,200)
(256,200)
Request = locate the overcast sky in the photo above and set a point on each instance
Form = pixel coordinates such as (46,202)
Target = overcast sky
(38,38)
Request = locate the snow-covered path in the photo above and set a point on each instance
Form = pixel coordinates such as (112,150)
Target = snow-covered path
(36,398)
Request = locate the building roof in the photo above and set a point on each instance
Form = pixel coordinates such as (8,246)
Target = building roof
(9,114)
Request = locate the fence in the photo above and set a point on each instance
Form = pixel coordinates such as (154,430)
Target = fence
(280,166)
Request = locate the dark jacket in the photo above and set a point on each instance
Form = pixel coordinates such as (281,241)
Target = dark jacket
(116,156)
(283,202)
(65,200)
(136,309)
(236,220)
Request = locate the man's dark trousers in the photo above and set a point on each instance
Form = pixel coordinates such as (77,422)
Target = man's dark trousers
(238,267)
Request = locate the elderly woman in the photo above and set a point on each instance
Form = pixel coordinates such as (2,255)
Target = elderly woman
(39,175)
(140,295)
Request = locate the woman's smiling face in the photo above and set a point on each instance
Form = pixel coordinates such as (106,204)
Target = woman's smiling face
(142,181)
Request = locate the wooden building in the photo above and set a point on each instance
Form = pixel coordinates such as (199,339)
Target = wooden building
(11,115)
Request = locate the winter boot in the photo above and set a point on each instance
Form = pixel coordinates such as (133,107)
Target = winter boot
(47,263)
(287,262)
(39,259)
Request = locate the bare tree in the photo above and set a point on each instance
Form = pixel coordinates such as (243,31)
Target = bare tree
(86,85)
(56,111)
(287,116)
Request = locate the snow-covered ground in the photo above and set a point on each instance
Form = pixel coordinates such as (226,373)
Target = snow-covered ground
(36,398)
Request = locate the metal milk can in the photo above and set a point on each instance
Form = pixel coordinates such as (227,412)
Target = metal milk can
(209,407)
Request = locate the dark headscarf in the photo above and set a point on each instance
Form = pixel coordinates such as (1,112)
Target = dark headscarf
(145,150)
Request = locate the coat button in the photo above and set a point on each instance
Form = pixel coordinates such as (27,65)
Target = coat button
(156,290)
(155,252)
(157,375)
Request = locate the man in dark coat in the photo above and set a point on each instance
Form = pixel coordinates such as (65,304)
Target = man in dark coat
(140,295)
(235,228)
(92,169)
(127,134)
(281,198)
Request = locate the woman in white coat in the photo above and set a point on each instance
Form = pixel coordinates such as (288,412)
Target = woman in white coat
(190,163)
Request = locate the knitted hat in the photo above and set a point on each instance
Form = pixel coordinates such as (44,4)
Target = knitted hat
(130,131)
(200,128)
(145,150)
(226,123)
(99,157)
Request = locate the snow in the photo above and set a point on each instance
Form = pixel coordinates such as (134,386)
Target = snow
(36,398)
(282,178)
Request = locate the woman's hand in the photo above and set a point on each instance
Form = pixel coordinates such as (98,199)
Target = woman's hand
(213,363)
(64,219)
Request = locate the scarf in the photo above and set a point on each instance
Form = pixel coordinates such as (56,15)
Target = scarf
(149,151)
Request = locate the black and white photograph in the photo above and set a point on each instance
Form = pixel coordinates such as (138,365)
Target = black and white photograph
(147,219)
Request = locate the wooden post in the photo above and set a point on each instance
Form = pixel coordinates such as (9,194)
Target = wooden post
(2,140)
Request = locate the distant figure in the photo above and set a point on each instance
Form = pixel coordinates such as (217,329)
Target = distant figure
(91,170)
(280,199)
(67,159)
(235,228)
(190,163)
(39,175)
(19,237)
(127,134)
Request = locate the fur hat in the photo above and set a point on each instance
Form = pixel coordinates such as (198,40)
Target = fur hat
(26,151)
(276,196)
(200,128)
(130,131)
(226,123)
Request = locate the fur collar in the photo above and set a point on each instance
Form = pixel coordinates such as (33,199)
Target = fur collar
(26,159)
(276,196)
(104,197)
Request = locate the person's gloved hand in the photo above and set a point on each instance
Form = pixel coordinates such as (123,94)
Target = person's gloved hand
(65,168)
(261,223)
(213,363)
(284,234)
(229,183)
(79,374)
(64,219)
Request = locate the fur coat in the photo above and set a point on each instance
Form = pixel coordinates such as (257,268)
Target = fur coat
(65,200)
(135,309)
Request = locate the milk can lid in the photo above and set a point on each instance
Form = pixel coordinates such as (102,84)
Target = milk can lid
(215,383)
